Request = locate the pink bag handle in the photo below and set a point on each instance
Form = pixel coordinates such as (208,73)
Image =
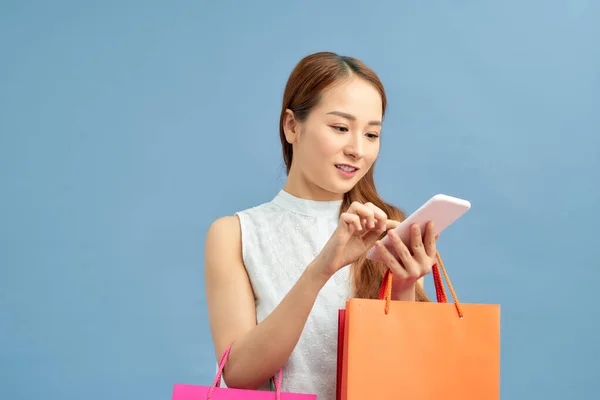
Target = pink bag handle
(217,381)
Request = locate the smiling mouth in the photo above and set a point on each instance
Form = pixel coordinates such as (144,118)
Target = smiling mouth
(346,168)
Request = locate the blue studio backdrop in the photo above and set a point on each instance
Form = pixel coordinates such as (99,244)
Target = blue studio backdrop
(127,127)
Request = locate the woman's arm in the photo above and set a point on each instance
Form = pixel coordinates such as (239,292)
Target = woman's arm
(258,350)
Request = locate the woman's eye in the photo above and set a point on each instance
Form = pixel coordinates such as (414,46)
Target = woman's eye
(372,135)
(340,128)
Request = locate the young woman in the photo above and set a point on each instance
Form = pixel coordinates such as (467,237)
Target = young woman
(277,274)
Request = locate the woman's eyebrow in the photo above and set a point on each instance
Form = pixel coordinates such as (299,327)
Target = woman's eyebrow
(351,117)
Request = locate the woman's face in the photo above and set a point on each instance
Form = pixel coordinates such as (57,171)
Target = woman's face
(338,142)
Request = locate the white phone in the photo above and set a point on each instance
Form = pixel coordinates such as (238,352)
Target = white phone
(443,210)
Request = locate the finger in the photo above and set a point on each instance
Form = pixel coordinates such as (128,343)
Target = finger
(373,234)
(391,262)
(380,225)
(380,215)
(364,212)
(416,243)
(430,238)
(391,224)
(353,222)
(406,258)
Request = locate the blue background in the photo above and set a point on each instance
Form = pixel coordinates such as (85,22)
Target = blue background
(127,127)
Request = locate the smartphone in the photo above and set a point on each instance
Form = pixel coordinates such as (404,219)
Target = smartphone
(442,209)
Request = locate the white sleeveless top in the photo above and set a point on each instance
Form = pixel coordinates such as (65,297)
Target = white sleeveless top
(279,239)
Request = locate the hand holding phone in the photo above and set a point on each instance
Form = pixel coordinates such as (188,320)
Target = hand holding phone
(442,209)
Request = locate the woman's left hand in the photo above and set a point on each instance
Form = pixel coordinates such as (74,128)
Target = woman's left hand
(416,258)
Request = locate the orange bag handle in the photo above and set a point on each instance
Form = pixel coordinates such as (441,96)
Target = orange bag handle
(385,292)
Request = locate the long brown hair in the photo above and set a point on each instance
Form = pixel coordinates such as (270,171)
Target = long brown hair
(311,76)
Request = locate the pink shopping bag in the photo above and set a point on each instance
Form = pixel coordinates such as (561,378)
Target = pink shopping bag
(215,392)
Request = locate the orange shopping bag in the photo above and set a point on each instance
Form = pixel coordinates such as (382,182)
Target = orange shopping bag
(418,350)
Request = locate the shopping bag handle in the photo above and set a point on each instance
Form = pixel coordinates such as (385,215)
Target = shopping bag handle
(385,292)
(217,382)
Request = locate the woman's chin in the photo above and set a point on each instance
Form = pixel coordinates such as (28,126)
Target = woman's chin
(341,187)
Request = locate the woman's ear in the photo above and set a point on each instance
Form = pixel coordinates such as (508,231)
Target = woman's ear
(290,127)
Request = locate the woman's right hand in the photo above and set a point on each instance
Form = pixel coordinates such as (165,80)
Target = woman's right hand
(358,229)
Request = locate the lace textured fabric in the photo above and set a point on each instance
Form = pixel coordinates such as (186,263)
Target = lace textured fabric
(279,239)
